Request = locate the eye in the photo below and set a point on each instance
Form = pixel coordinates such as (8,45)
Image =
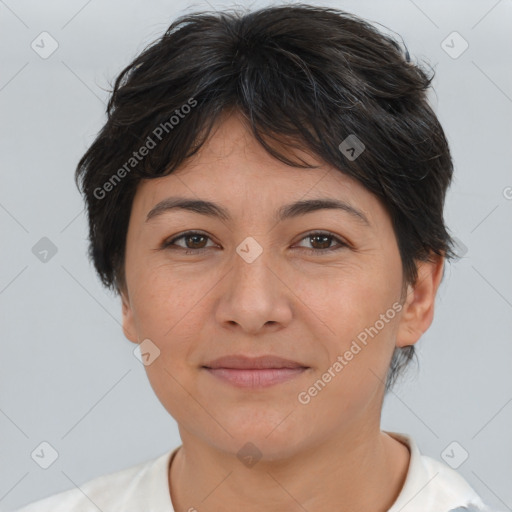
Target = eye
(193,240)
(322,240)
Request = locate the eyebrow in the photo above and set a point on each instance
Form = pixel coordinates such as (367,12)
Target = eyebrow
(288,211)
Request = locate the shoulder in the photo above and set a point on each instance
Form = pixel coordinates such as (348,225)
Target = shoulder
(431,485)
(450,487)
(111,491)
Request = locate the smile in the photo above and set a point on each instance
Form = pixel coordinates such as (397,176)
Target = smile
(252,372)
(255,378)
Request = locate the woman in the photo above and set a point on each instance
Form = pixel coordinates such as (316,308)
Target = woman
(267,199)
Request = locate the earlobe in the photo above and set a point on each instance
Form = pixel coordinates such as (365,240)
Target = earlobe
(418,309)
(128,321)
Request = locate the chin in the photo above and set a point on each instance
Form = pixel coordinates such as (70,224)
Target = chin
(273,433)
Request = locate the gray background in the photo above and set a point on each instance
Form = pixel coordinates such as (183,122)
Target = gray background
(67,374)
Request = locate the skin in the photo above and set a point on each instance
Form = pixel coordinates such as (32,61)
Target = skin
(329,454)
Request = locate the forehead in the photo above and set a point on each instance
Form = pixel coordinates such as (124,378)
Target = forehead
(234,169)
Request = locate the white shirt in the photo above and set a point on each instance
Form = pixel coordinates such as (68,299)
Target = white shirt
(430,486)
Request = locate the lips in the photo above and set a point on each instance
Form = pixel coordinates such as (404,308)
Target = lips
(253,363)
(254,372)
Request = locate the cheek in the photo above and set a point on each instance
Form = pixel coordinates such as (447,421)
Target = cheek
(169,309)
(165,311)
(163,298)
(350,383)
(351,302)
(361,311)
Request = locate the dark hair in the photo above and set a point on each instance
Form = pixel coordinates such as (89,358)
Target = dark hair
(302,77)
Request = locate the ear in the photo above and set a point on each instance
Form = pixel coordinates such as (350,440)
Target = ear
(418,309)
(128,321)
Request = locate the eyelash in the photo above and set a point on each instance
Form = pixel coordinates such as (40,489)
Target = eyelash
(341,244)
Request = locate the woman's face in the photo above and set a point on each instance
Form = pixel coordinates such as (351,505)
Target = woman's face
(253,284)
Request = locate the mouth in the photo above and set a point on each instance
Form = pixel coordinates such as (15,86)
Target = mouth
(254,372)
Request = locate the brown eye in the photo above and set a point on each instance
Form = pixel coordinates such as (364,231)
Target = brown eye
(192,240)
(321,242)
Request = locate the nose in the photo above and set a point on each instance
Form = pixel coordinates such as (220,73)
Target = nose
(254,297)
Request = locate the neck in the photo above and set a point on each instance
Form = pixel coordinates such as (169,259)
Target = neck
(360,470)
